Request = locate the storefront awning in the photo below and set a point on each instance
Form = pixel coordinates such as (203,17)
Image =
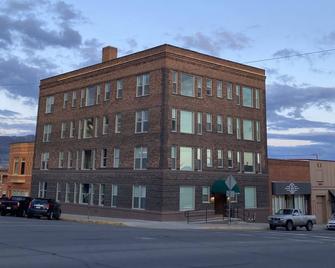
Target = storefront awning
(220,187)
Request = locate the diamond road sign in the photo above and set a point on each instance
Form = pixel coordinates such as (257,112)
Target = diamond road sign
(230,182)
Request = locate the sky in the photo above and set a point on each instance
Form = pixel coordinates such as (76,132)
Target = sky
(294,41)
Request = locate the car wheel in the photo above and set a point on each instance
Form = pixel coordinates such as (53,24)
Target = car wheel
(51,215)
(309,226)
(273,227)
(289,226)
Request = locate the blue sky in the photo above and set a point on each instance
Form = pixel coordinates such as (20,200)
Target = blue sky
(46,37)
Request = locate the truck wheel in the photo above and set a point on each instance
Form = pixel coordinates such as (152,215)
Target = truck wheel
(289,226)
(309,226)
(272,227)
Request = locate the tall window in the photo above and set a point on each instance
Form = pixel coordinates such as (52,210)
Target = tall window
(63,130)
(186,198)
(96,123)
(248,130)
(142,121)
(141,158)
(247,97)
(86,193)
(142,85)
(209,158)
(102,193)
(257,100)
(209,87)
(186,122)
(219,126)
(230,129)
(258,131)
(105,124)
(74,99)
(103,158)
(42,189)
(116,161)
(238,128)
(238,94)
(82,97)
(174,82)
(75,192)
(119,89)
(208,122)
(80,129)
(47,132)
(61,160)
(229,91)
(198,159)
(219,88)
(65,100)
(44,161)
(23,167)
(199,123)
(49,105)
(118,122)
(97,98)
(114,195)
(173,157)
(248,160)
(88,128)
(139,196)
(174,120)
(16,166)
(88,159)
(72,129)
(230,158)
(238,161)
(58,191)
(220,158)
(186,158)
(199,87)
(67,192)
(91,94)
(69,160)
(259,164)
(250,200)
(187,85)
(107,91)
(205,194)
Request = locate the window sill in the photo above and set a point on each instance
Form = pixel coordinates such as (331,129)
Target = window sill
(138,208)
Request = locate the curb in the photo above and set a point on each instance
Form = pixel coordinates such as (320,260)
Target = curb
(119,224)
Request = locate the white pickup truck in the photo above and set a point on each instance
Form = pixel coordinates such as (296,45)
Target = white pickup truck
(291,219)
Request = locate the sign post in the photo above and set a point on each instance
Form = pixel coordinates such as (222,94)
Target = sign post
(230,182)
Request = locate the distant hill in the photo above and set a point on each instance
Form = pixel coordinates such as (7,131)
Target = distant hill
(4,146)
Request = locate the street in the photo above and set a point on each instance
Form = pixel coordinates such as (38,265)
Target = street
(43,243)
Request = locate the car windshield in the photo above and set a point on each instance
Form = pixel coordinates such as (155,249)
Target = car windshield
(332,217)
(39,202)
(17,198)
(284,212)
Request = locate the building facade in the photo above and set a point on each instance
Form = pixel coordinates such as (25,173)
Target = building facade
(20,158)
(147,135)
(3,181)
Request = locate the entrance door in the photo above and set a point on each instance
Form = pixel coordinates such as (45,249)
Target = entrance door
(220,203)
(321,213)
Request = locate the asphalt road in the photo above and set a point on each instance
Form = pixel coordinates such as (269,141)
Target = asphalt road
(43,243)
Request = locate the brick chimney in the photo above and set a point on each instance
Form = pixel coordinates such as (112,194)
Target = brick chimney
(109,53)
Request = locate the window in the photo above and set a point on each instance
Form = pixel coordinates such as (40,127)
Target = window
(72,129)
(198,159)
(199,87)
(104,158)
(49,105)
(209,87)
(16,166)
(118,122)
(230,129)
(80,129)
(86,193)
(257,100)
(119,89)
(248,130)
(96,123)
(65,100)
(23,167)
(82,97)
(187,85)
(174,82)
(199,123)
(174,120)
(116,161)
(186,122)
(219,89)
(102,192)
(69,160)
(47,132)
(258,131)
(247,97)
(105,124)
(238,161)
(205,194)
(139,196)
(141,158)
(248,160)
(209,158)
(238,94)
(220,158)
(44,161)
(219,127)
(238,128)
(58,192)
(42,189)
(63,130)
(250,200)
(229,91)
(97,99)
(208,122)
(88,159)
(107,91)
(61,160)
(114,195)
(67,192)
(230,158)
(186,198)
(91,94)
(142,122)
(142,85)
(88,128)
(75,192)
(173,157)
(259,164)
(186,159)
(74,99)
(77,159)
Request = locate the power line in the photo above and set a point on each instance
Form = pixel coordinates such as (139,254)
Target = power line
(291,56)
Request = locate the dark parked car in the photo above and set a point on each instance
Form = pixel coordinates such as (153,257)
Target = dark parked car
(42,207)
(16,205)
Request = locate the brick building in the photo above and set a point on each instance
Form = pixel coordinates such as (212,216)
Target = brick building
(3,181)
(21,157)
(147,135)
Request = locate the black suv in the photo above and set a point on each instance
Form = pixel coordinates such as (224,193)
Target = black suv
(40,207)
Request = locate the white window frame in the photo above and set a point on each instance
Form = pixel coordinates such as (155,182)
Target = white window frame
(230,158)
(119,89)
(238,128)
(253,191)
(219,124)
(142,120)
(114,195)
(209,158)
(141,195)
(183,121)
(230,127)
(143,151)
(143,85)
(118,122)
(105,125)
(192,198)
(61,161)
(65,100)
(199,123)
(219,89)
(107,93)
(220,158)
(102,194)
(174,121)
(116,158)
(209,122)
(229,86)
(74,99)
(173,157)
(209,87)
(199,87)
(103,158)
(67,192)
(205,192)
(47,129)
(174,82)
(188,150)
(49,104)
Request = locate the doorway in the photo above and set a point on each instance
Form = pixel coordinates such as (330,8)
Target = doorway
(220,203)
(321,212)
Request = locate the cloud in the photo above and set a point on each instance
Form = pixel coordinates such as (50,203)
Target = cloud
(289,143)
(286,52)
(215,42)
(7,113)
(328,39)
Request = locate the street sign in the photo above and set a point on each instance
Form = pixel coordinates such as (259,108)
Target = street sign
(230,182)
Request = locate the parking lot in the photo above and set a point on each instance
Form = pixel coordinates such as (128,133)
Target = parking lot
(43,243)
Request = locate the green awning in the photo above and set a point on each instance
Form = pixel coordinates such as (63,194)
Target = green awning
(220,187)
